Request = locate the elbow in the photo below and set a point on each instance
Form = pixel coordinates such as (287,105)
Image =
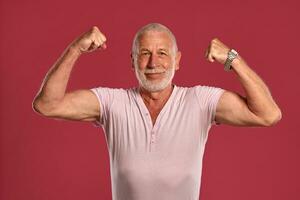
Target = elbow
(41,108)
(37,107)
(273,119)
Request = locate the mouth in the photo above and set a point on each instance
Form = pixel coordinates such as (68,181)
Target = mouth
(154,75)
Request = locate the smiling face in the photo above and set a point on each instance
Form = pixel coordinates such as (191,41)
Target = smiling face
(155,61)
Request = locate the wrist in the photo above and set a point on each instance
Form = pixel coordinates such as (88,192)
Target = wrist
(236,61)
(231,56)
(75,50)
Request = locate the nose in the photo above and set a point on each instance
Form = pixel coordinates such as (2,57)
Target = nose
(153,61)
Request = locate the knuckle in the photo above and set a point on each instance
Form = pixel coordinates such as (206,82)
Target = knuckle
(92,35)
(94,28)
(215,39)
(100,39)
(102,36)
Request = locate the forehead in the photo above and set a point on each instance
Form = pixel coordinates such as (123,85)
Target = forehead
(155,39)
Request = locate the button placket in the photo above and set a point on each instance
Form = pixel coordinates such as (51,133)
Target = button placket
(152,136)
(152,140)
(148,119)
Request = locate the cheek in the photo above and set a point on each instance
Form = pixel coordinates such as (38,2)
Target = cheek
(142,63)
(168,63)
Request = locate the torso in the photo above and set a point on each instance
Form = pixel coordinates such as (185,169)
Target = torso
(154,112)
(155,108)
(144,158)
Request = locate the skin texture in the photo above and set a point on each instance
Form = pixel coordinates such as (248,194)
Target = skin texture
(52,100)
(155,51)
(257,108)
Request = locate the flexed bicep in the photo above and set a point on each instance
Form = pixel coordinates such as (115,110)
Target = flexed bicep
(80,105)
(232,109)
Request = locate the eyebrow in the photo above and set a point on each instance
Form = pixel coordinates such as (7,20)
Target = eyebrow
(160,49)
(144,49)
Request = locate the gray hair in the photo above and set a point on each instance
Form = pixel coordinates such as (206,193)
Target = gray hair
(152,27)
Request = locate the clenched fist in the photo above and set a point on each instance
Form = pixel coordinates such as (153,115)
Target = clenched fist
(217,51)
(90,41)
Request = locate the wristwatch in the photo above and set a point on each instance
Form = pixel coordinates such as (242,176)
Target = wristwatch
(232,54)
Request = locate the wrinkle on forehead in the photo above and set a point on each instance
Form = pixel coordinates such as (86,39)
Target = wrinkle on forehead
(155,40)
(153,27)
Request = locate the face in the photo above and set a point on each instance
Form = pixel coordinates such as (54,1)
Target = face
(156,61)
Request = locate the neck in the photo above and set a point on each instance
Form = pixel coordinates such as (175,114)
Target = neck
(154,98)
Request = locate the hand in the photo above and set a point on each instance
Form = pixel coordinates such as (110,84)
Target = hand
(217,51)
(90,41)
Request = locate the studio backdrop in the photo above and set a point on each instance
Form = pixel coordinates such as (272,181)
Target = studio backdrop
(46,159)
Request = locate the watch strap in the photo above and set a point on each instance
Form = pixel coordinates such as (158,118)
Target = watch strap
(232,54)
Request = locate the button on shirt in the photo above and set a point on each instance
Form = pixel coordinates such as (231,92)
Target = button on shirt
(161,161)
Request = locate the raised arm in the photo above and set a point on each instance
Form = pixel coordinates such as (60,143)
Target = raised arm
(52,100)
(257,108)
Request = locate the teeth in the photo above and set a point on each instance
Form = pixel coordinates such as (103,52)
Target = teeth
(153,72)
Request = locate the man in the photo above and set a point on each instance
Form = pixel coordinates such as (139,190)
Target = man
(156,133)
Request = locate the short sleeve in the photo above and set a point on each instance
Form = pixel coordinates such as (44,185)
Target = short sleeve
(208,97)
(106,97)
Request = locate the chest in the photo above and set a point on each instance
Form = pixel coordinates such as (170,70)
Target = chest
(154,112)
(138,127)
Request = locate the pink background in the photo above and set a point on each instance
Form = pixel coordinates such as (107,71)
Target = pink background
(45,159)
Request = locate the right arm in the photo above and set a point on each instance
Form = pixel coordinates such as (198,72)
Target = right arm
(52,99)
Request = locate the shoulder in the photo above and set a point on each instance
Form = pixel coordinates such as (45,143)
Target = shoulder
(110,94)
(201,90)
(113,91)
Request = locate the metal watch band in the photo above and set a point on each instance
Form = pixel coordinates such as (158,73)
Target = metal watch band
(232,54)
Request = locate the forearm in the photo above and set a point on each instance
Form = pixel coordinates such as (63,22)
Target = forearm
(259,98)
(55,82)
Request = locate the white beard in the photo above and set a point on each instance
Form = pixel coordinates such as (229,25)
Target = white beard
(152,86)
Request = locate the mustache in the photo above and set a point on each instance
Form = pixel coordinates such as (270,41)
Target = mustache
(153,71)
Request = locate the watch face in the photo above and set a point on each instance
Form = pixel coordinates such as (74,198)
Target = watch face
(234,52)
(231,56)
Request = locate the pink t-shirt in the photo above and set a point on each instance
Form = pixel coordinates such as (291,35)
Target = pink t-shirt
(160,162)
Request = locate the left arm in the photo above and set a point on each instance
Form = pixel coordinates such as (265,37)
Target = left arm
(258,107)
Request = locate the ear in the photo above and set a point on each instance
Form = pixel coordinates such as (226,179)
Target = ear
(177,60)
(132,61)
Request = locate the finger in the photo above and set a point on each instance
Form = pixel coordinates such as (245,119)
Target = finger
(210,58)
(98,42)
(103,46)
(92,47)
(102,39)
(207,52)
(102,36)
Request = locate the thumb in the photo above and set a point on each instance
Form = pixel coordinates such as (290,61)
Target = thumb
(103,46)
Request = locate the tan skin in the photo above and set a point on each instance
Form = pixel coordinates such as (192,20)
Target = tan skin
(52,100)
(256,109)
(259,109)
(156,49)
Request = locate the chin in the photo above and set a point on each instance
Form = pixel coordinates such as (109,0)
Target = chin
(154,84)
(154,87)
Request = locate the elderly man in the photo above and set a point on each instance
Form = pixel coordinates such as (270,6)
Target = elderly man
(156,132)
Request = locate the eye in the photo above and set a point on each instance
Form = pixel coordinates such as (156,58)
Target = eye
(145,53)
(162,53)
